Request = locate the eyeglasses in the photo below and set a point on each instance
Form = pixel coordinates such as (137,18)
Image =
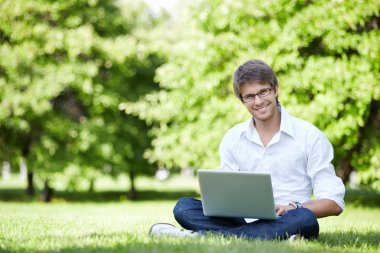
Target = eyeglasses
(262,93)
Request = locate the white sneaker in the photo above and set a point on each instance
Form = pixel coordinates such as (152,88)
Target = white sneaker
(294,238)
(167,229)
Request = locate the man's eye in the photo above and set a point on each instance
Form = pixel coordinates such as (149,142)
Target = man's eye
(262,92)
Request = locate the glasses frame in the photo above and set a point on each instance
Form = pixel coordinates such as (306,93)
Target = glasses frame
(260,94)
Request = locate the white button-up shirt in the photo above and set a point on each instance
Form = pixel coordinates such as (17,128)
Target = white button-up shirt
(298,157)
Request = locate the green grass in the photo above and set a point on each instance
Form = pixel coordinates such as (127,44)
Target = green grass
(69,225)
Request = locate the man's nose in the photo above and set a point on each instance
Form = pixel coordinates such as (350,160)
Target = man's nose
(258,100)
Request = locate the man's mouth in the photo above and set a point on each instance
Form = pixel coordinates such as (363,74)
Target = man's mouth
(262,108)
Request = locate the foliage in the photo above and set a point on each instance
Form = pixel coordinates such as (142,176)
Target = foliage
(65,67)
(326,57)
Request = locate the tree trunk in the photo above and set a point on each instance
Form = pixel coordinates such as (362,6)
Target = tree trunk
(30,185)
(30,174)
(92,185)
(132,193)
(47,192)
(346,166)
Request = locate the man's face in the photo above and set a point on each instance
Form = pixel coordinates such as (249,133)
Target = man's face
(260,100)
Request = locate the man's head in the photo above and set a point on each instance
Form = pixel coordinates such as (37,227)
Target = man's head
(253,71)
(256,86)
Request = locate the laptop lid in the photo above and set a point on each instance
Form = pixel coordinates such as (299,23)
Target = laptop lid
(236,194)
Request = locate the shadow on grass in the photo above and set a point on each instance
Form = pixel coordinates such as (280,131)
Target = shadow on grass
(335,242)
(357,197)
(185,245)
(18,195)
(363,197)
(351,238)
(138,247)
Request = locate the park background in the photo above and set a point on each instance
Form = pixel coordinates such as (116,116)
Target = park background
(108,108)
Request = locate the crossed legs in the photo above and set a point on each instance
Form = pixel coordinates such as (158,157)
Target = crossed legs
(189,214)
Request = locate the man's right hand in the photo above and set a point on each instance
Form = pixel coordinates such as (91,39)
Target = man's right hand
(282,209)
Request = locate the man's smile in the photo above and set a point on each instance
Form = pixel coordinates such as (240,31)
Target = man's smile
(261,108)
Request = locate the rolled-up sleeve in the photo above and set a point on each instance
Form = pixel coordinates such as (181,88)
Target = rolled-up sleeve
(326,185)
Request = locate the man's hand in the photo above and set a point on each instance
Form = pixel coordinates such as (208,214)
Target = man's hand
(282,209)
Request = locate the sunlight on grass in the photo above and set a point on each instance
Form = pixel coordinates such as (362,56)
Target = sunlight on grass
(122,226)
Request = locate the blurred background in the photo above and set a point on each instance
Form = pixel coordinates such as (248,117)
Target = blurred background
(98,95)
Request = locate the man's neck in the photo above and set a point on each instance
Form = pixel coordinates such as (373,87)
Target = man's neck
(268,128)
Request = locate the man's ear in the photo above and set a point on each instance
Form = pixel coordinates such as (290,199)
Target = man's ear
(275,91)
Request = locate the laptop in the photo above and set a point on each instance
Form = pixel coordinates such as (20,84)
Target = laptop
(237,194)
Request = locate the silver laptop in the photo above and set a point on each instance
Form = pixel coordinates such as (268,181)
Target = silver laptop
(236,194)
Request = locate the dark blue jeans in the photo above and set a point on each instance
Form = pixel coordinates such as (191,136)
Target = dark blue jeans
(189,214)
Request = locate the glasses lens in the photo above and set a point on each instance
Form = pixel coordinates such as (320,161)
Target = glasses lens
(264,92)
(248,98)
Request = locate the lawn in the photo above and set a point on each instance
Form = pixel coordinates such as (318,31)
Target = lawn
(120,225)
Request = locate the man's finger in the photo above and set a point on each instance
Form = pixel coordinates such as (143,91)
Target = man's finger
(280,211)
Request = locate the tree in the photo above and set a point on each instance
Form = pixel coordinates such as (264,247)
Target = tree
(65,68)
(326,57)
(37,64)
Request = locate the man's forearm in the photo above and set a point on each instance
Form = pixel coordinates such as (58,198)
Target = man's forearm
(323,207)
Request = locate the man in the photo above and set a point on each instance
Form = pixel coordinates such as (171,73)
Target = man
(296,154)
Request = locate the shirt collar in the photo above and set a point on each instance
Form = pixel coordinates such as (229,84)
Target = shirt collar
(285,125)
(286,122)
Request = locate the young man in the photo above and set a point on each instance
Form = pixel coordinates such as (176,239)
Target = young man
(296,154)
